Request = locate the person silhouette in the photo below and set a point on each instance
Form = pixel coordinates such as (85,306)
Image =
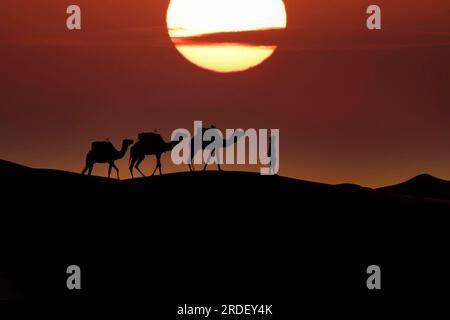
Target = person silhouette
(269,155)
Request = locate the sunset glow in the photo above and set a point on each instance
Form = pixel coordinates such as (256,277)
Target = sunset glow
(193,18)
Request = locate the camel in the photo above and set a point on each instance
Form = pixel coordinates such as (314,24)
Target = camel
(149,144)
(225,143)
(104,152)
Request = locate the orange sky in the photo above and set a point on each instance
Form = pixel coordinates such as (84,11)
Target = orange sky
(353,106)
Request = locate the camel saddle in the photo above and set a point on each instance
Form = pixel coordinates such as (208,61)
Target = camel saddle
(149,137)
(102,146)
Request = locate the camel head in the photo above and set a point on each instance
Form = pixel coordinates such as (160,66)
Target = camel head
(170,145)
(127,142)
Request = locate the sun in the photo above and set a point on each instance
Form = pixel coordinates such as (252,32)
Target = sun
(209,33)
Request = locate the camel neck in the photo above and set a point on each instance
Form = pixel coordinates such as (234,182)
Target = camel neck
(123,150)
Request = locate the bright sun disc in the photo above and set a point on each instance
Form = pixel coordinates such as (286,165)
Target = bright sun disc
(190,22)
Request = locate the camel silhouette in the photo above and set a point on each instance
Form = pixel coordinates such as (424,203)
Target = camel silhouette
(149,144)
(225,144)
(105,152)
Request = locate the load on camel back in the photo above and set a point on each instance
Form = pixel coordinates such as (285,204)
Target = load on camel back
(150,137)
(102,146)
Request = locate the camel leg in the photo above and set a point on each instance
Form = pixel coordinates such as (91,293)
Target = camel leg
(155,170)
(132,163)
(158,165)
(137,166)
(109,170)
(218,165)
(209,159)
(191,165)
(87,166)
(91,166)
(117,170)
(218,162)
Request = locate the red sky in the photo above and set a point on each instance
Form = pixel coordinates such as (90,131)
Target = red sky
(352,105)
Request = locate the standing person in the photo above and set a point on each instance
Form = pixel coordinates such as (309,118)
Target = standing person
(269,154)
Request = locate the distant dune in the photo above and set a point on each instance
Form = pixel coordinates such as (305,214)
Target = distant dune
(423,186)
(10,167)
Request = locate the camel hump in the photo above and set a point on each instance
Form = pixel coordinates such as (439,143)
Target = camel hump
(150,137)
(102,146)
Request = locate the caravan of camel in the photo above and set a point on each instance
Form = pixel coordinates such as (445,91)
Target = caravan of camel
(206,147)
